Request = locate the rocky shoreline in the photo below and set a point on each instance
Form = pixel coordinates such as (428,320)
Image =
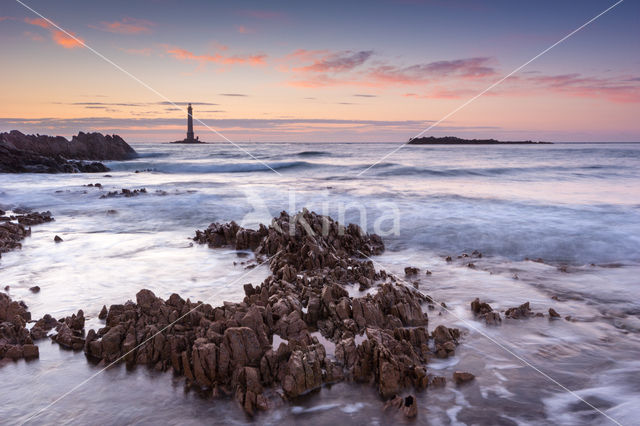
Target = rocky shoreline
(297,331)
(20,153)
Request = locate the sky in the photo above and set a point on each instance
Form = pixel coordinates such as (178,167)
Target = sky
(379,71)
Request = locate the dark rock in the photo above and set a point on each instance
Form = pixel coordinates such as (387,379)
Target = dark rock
(43,326)
(21,153)
(553,313)
(12,233)
(232,348)
(34,289)
(485,311)
(520,312)
(103,313)
(57,239)
(15,339)
(461,377)
(411,271)
(124,193)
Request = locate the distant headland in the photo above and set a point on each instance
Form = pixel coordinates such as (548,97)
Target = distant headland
(190,139)
(452,140)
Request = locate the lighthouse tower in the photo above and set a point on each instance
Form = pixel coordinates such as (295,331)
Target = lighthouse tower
(190,124)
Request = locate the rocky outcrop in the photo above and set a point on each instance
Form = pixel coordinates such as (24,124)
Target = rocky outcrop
(519,312)
(124,192)
(296,331)
(70,332)
(20,153)
(16,227)
(484,311)
(15,340)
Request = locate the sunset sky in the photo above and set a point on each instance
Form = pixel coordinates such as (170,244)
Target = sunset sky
(322,71)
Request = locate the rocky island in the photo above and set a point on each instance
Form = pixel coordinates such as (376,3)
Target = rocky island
(20,153)
(452,140)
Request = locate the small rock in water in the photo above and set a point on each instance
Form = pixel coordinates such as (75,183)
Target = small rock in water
(553,313)
(103,312)
(57,239)
(35,289)
(522,311)
(410,270)
(461,377)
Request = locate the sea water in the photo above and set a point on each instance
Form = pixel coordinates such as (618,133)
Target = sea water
(575,208)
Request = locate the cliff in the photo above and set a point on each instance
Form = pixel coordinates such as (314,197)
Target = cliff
(20,153)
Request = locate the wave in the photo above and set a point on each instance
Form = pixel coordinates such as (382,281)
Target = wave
(312,153)
(230,168)
(497,171)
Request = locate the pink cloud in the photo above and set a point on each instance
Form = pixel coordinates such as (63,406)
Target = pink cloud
(619,89)
(217,58)
(322,68)
(624,90)
(39,22)
(65,41)
(125,26)
(336,62)
(468,68)
(70,41)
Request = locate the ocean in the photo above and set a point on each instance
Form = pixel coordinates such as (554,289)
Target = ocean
(557,225)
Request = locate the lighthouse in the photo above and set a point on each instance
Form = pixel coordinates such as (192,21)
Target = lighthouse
(190,124)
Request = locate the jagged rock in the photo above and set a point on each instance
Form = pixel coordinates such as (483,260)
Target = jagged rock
(103,313)
(43,326)
(57,239)
(15,339)
(70,332)
(485,311)
(12,233)
(445,340)
(553,313)
(480,308)
(269,338)
(410,271)
(124,192)
(522,311)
